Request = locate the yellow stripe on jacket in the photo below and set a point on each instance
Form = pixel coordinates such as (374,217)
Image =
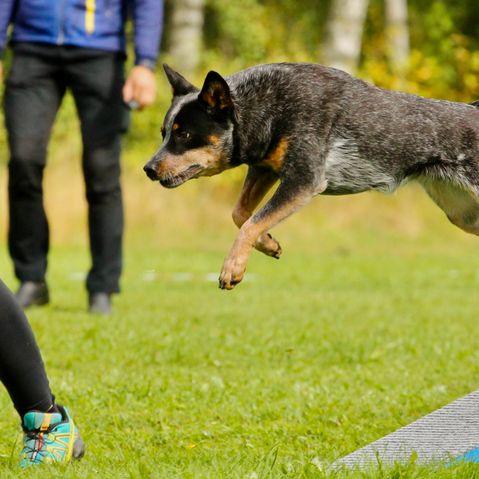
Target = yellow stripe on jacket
(90,15)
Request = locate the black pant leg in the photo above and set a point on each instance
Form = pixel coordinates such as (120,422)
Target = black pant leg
(96,82)
(21,366)
(32,96)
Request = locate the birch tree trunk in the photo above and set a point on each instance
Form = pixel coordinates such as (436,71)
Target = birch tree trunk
(397,33)
(342,46)
(187,20)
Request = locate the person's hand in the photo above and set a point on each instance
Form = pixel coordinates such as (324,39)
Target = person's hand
(140,87)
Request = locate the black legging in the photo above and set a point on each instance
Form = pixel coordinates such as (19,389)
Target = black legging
(21,366)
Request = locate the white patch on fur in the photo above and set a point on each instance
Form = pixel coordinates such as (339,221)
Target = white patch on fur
(347,172)
(460,204)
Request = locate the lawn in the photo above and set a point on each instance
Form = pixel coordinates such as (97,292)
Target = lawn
(368,322)
(359,329)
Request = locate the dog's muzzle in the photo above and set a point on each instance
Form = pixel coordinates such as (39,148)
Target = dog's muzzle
(150,170)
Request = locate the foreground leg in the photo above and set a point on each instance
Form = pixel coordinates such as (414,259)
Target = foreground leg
(257,183)
(286,200)
(21,366)
(50,434)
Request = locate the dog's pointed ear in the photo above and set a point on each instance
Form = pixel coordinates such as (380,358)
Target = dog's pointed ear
(181,86)
(216,93)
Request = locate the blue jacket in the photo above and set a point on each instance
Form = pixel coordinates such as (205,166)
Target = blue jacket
(85,23)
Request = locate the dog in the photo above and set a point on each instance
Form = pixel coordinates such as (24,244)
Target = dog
(317,131)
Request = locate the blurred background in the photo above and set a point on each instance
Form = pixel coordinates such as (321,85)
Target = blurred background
(424,47)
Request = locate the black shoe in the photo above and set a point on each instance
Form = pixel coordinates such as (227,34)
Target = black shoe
(32,293)
(99,303)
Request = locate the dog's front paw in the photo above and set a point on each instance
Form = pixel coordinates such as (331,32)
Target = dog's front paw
(231,274)
(269,246)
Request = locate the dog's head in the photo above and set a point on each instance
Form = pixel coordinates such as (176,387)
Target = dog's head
(197,131)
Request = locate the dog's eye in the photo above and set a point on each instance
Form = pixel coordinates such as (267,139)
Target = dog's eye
(184,135)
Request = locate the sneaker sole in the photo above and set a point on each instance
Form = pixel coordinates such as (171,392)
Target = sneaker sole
(78,450)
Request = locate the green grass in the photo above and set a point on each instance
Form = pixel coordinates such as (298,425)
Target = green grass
(312,357)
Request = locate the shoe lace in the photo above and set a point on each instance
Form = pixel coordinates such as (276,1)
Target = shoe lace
(36,440)
(33,444)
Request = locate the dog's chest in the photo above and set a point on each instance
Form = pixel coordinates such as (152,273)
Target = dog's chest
(346,171)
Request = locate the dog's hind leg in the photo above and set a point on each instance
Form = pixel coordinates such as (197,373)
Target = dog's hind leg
(257,183)
(460,203)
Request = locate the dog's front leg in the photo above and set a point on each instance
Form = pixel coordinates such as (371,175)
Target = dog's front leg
(288,198)
(257,183)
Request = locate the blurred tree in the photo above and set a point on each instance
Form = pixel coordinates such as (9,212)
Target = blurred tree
(185,29)
(238,30)
(397,33)
(342,45)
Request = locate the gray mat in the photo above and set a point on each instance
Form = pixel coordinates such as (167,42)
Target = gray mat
(444,434)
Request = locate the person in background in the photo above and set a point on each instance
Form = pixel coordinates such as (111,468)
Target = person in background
(76,45)
(49,432)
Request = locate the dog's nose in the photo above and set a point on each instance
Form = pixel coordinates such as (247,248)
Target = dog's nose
(151,172)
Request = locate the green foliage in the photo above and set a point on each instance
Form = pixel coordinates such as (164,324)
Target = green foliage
(258,31)
(444,60)
(241,27)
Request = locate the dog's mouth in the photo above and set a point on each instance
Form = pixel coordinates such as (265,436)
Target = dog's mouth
(172,181)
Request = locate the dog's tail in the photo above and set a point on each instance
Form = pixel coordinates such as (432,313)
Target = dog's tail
(475,103)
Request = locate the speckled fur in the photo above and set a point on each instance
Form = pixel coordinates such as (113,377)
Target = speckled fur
(343,136)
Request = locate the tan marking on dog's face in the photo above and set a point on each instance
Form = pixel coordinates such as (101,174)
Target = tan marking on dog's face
(208,157)
(214,140)
(204,161)
(275,158)
(175,126)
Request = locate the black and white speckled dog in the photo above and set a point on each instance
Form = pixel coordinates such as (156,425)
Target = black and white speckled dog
(317,130)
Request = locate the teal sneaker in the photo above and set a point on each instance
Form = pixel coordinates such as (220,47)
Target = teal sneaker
(50,437)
